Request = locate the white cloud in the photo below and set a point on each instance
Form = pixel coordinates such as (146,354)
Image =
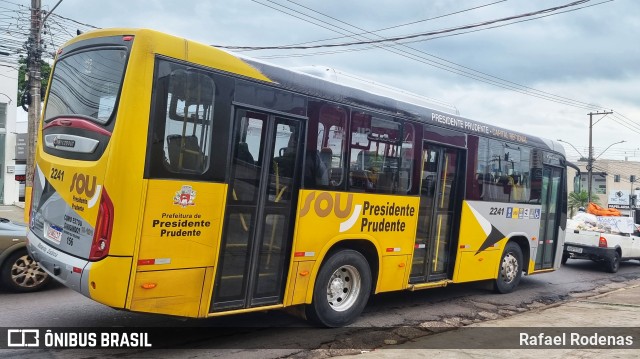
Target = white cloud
(588,55)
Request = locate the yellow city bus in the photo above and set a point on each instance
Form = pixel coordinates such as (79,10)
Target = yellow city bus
(176,178)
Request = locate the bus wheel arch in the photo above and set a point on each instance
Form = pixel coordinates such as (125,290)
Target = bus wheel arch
(523,242)
(343,283)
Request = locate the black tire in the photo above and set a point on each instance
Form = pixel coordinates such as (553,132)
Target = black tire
(341,289)
(510,269)
(20,273)
(565,257)
(613,264)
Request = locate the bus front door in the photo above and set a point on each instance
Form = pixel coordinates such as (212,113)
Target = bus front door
(256,239)
(549,217)
(440,197)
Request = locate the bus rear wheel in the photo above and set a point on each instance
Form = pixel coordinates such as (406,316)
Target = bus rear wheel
(341,289)
(510,270)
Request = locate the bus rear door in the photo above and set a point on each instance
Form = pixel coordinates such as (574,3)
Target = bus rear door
(546,253)
(440,203)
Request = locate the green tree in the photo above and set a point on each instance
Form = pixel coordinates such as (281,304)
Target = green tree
(45,70)
(581,199)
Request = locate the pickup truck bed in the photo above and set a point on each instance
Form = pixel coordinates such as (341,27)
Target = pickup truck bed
(607,248)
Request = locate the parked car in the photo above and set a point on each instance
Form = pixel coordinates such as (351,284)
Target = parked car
(18,271)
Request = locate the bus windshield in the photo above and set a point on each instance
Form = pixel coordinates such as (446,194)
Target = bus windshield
(87,83)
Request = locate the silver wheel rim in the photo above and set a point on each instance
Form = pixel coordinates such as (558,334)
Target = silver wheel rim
(26,273)
(343,288)
(509,268)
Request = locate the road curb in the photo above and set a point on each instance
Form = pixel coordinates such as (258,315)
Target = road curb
(597,296)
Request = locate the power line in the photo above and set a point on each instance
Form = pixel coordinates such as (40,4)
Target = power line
(74,21)
(481,74)
(15,20)
(407,42)
(365,32)
(625,122)
(440,62)
(405,37)
(477,75)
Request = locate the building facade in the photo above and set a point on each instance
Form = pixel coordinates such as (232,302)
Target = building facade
(9,187)
(615,182)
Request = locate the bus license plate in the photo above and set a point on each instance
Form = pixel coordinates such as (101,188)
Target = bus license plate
(574,249)
(53,234)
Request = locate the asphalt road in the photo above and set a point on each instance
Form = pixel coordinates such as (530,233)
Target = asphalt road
(388,318)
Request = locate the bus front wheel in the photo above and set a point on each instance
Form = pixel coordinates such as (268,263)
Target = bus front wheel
(510,270)
(341,289)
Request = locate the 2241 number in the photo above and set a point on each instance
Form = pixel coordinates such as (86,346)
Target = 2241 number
(496,211)
(57,174)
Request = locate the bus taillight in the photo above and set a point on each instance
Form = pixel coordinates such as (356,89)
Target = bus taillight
(104,226)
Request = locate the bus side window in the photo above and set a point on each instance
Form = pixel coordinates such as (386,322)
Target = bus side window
(376,144)
(325,150)
(189,112)
(406,159)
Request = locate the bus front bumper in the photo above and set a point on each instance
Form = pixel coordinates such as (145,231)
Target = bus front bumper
(66,269)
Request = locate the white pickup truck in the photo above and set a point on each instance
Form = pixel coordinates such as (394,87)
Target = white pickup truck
(608,248)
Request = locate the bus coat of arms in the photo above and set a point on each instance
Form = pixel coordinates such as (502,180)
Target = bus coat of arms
(185,196)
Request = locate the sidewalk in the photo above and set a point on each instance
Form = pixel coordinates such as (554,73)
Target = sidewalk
(595,314)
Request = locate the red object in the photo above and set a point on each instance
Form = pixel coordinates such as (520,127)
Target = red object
(600,211)
(104,227)
(602,242)
(75,122)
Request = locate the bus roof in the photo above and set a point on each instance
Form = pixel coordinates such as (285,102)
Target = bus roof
(351,80)
(394,103)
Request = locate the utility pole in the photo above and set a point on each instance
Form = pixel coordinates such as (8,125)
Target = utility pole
(632,198)
(590,159)
(34,57)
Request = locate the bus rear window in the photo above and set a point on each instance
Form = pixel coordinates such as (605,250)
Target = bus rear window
(87,83)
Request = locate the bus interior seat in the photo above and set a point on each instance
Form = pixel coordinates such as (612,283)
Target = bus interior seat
(404,179)
(385,182)
(286,161)
(325,155)
(360,179)
(243,153)
(335,176)
(192,156)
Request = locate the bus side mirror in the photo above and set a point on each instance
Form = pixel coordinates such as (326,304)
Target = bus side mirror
(577,184)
